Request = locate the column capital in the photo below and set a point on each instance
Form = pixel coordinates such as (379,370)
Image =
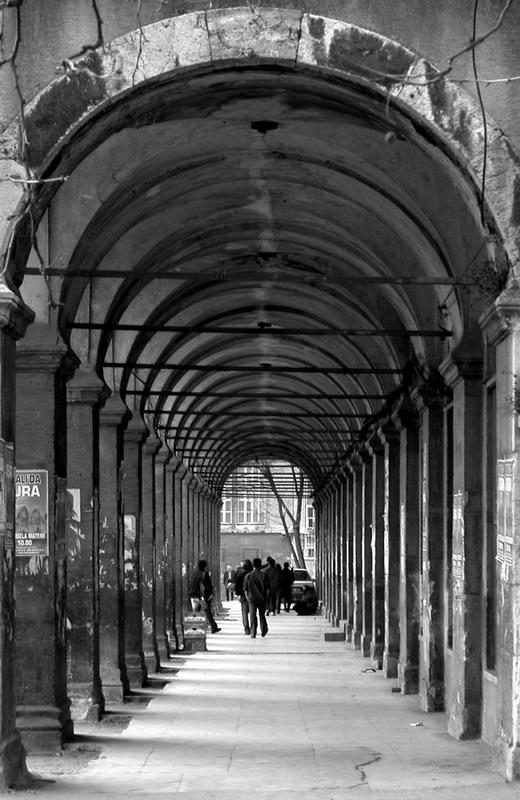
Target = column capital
(456,369)
(502,318)
(164,455)
(86,387)
(406,415)
(374,444)
(136,430)
(152,445)
(15,315)
(174,463)
(45,351)
(114,412)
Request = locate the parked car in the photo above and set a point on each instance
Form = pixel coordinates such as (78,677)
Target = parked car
(302,581)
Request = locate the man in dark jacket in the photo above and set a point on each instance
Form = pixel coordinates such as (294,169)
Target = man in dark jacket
(241,573)
(256,590)
(286,578)
(200,591)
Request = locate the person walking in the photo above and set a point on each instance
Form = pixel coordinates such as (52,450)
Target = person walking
(274,584)
(256,589)
(229,581)
(246,567)
(286,582)
(200,590)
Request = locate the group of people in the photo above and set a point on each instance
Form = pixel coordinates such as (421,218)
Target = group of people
(262,590)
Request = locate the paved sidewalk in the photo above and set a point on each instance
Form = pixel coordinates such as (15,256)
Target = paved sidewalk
(288,715)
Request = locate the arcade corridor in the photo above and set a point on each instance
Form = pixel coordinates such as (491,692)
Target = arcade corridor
(239,233)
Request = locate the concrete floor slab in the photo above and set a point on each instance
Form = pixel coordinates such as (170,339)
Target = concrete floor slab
(290,714)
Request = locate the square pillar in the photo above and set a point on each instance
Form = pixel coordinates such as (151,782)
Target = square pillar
(406,421)
(377,526)
(14,318)
(390,439)
(355,466)
(134,436)
(85,392)
(170,555)
(502,327)
(149,555)
(433,517)
(366,551)
(161,535)
(43,713)
(112,419)
(465,700)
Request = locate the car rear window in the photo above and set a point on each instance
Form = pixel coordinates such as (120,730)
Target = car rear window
(301,575)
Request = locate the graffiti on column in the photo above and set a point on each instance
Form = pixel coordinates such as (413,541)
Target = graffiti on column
(505,470)
(32,512)
(458,544)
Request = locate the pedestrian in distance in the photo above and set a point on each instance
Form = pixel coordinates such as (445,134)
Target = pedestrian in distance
(256,590)
(229,581)
(200,590)
(286,582)
(274,584)
(246,567)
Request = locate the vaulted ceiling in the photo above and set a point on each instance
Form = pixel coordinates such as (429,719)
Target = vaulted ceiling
(254,258)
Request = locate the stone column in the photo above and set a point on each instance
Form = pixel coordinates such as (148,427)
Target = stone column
(149,556)
(464,701)
(135,435)
(163,644)
(409,522)
(171,565)
(433,494)
(343,550)
(112,418)
(325,548)
(180,552)
(502,327)
(337,571)
(187,541)
(41,578)
(85,393)
(377,526)
(366,551)
(14,318)
(390,439)
(356,469)
(349,555)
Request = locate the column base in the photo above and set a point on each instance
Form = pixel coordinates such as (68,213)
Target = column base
(44,729)
(376,653)
(136,671)
(408,678)
(432,696)
(163,648)
(390,665)
(365,644)
(86,703)
(355,640)
(464,723)
(506,760)
(13,771)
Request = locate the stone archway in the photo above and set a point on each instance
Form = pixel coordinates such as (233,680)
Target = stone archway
(213,39)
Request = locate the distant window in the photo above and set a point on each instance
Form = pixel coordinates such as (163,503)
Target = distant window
(310,516)
(226,513)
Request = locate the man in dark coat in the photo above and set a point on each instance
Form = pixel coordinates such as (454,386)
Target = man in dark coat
(256,590)
(286,578)
(200,590)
